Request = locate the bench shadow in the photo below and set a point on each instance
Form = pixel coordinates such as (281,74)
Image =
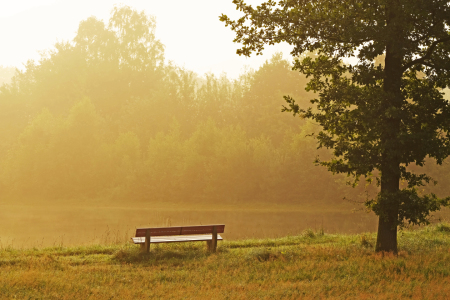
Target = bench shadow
(133,255)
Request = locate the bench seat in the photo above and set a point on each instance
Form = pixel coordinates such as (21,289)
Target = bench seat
(176,238)
(207,233)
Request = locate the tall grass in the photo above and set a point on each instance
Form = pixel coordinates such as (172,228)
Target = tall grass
(306,266)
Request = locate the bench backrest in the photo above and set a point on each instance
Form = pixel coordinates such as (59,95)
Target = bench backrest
(161,231)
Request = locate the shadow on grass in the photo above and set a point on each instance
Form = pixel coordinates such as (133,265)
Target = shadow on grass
(170,253)
(261,254)
(443,227)
(89,250)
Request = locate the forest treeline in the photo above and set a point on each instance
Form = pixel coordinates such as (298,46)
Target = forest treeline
(105,116)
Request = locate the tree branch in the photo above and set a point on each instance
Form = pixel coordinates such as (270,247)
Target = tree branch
(324,37)
(427,55)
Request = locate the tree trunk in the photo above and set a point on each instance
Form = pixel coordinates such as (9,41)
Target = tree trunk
(386,236)
(387,225)
(390,163)
(388,200)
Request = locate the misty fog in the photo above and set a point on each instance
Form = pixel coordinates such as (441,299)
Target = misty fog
(102,134)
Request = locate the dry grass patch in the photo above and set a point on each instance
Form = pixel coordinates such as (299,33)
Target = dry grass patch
(309,266)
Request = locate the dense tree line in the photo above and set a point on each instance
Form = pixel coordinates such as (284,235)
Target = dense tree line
(105,116)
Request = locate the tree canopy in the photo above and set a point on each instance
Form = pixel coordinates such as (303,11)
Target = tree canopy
(104,116)
(375,116)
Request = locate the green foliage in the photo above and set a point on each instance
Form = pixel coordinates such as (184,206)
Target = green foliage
(103,116)
(309,233)
(374,116)
(413,208)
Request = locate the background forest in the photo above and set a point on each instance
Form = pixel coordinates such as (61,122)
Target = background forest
(104,116)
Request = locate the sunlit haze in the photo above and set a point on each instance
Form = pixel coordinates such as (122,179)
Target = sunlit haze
(102,133)
(141,157)
(190,30)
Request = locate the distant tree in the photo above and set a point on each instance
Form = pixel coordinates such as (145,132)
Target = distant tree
(374,116)
(260,104)
(6,73)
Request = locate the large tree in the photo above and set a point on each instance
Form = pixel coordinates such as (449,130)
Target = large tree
(375,116)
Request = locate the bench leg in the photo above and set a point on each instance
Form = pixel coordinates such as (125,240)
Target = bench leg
(212,245)
(142,247)
(147,241)
(214,240)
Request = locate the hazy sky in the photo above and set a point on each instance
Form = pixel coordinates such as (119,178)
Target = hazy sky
(190,30)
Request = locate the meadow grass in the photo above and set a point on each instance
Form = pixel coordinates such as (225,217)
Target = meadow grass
(313,265)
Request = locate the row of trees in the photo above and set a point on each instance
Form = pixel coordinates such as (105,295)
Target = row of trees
(105,116)
(71,157)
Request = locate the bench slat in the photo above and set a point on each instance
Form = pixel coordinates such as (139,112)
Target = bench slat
(166,231)
(201,229)
(159,231)
(173,239)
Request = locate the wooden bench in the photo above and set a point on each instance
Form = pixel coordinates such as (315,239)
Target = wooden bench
(208,233)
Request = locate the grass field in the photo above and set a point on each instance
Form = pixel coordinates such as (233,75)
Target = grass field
(313,265)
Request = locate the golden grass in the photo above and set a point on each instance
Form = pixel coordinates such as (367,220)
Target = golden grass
(307,266)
